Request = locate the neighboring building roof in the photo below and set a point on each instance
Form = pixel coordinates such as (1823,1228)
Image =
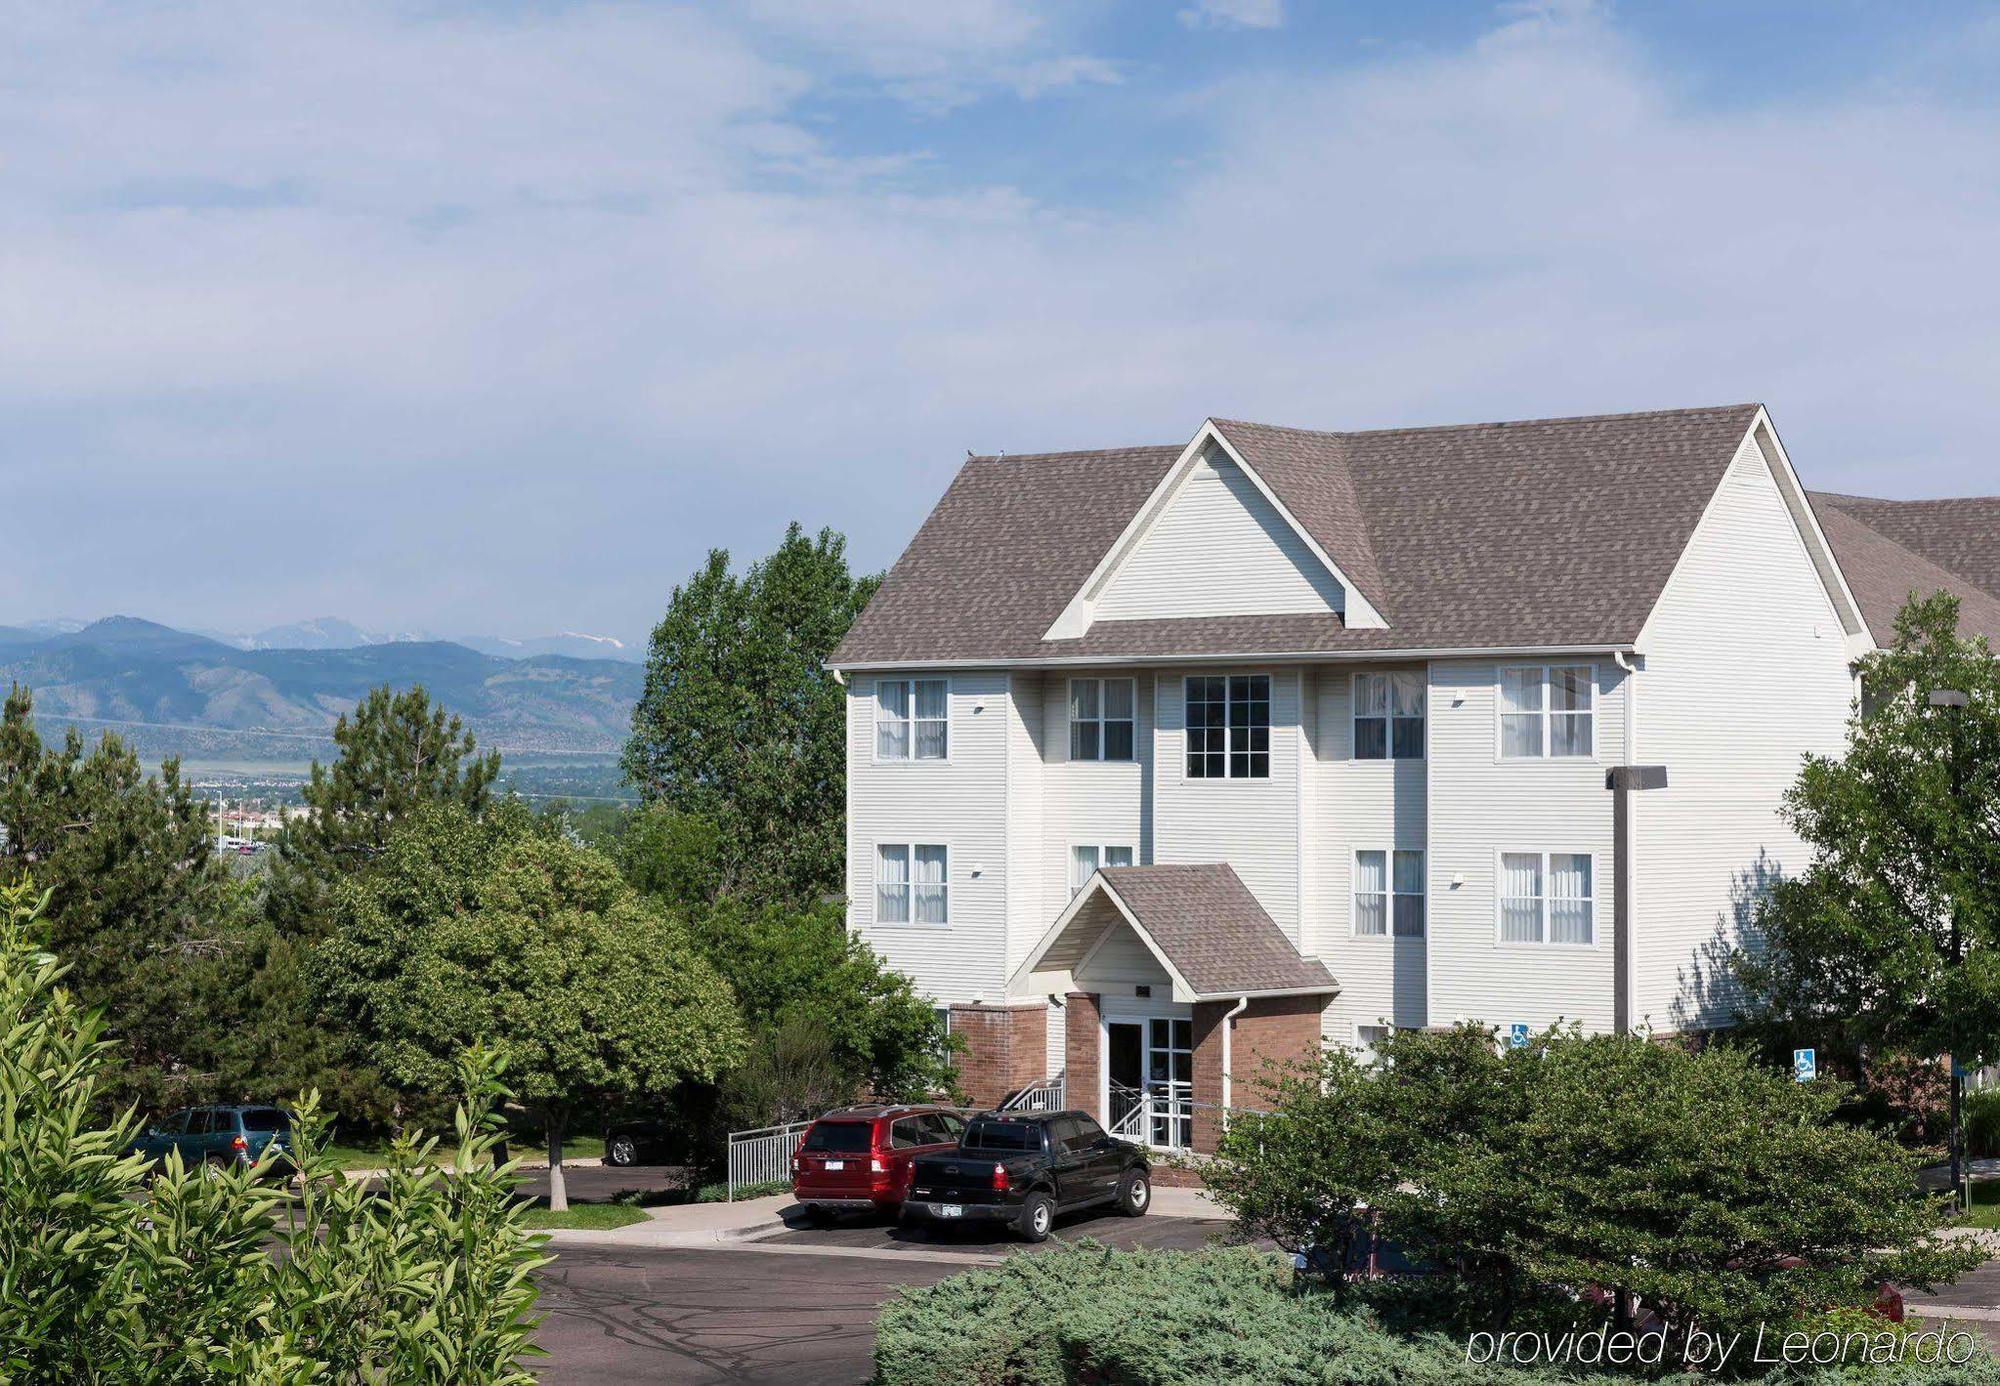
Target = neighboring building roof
(1890,549)
(1200,921)
(1545,533)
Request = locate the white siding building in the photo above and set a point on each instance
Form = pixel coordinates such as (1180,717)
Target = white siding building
(1166,761)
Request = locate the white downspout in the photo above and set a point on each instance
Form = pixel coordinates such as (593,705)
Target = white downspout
(1228,1031)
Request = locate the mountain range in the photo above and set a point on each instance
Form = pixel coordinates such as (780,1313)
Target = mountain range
(182,692)
(336,633)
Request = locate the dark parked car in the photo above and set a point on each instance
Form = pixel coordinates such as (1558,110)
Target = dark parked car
(1024,1168)
(644,1141)
(858,1158)
(211,1139)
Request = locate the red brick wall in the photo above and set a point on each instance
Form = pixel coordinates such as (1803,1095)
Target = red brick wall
(1273,1030)
(1081,1063)
(1006,1047)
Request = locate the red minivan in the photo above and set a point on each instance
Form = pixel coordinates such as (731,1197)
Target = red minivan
(859,1157)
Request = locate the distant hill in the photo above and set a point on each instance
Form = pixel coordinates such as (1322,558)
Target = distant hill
(201,696)
(335,633)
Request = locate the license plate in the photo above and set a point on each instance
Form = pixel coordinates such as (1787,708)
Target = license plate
(835,1164)
(948,1210)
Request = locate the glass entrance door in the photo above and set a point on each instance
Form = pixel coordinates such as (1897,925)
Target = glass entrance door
(1125,1054)
(1170,1081)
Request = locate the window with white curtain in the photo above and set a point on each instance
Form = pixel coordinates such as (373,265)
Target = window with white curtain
(912,719)
(1388,716)
(912,883)
(1084,859)
(1388,894)
(1366,1040)
(1547,897)
(1548,711)
(1229,727)
(1103,719)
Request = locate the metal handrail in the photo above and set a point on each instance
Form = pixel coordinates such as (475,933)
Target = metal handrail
(763,1154)
(1037,1097)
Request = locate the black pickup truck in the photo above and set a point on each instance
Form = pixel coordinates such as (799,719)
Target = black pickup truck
(1024,1168)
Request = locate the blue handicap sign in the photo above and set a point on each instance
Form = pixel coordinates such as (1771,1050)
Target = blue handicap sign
(1517,1035)
(1805,1065)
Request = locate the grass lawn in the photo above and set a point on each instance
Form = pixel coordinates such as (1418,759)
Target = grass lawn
(595,1216)
(1985,1204)
(376,1156)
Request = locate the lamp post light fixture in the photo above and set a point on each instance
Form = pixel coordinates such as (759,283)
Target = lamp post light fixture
(1954,701)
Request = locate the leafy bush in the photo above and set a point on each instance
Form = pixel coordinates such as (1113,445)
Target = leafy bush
(1718,1191)
(1982,1122)
(719,1193)
(1085,1313)
(103,1279)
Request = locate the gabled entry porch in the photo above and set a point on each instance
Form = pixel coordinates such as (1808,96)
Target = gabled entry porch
(1179,990)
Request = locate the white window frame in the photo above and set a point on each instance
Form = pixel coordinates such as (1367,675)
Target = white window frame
(1101,848)
(909,722)
(1388,718)
(1102,721)
(1228,775)
(1365,1052)
(1500,940)
(1390,896)
(1547,713)
(909,848)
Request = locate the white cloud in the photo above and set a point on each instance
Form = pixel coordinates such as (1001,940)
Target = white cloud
(1234,14)
(533,337)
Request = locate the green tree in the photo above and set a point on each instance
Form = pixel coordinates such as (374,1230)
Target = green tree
(802,965)
(147,914)
(105,1277)
(499,932)
(1890,938)
(740,722)
(397,753)
(1713,1188)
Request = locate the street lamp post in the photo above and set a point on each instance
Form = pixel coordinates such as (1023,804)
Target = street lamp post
(1953,701)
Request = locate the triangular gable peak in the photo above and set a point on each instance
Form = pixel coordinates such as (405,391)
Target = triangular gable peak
(1213,539)
(1758,456)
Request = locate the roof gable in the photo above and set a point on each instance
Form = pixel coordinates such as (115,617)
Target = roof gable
(1213,539)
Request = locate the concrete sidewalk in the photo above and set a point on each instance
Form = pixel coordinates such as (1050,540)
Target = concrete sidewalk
(742,1225)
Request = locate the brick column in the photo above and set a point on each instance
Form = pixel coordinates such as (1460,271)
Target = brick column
(1082,1063)
(1273,1031)
(1006,1047)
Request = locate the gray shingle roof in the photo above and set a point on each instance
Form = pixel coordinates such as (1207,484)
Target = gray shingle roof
(1213,930)
(1889,549)
(1550,532)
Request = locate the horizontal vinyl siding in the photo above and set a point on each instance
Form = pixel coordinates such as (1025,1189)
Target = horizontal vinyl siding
(1027,919)
(1364,804)
(1218,549)
(1481,806)
(961,802)
(1745,672)
(1092,802)
(1250,824)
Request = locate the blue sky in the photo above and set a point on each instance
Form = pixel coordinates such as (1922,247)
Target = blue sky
(494,317)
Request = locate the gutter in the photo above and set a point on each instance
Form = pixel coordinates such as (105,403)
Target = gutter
(1132,661)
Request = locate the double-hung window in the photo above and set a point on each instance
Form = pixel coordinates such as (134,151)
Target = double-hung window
(1388,716)
(912,883)
(1548,711)
(912,719)
(1229,727)
(1547,897)
(1102,719)
(1085,859)
(1388,894)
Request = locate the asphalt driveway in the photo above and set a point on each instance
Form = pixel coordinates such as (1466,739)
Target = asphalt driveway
(984,1239)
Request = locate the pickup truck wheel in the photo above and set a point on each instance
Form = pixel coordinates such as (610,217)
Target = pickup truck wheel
(1135,1193)
(1038,1215)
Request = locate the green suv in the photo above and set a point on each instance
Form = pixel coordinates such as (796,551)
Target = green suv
(211,1139)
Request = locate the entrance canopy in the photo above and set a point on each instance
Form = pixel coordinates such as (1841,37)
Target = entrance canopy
(1200,923)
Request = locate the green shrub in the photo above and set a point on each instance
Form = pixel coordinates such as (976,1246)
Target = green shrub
(719,1193)
(1982,1123)
(1716,1189)
(104,1279)
(1085,1313)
